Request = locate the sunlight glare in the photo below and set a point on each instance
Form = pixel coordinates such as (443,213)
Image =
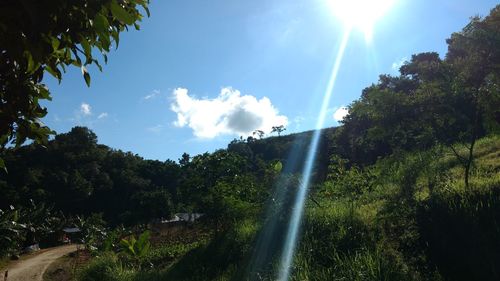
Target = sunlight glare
(298,206)
(360,14)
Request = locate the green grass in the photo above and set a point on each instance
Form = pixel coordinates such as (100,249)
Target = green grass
(106,268)
(363,265)
(164,255)
(486,166)
(415,222)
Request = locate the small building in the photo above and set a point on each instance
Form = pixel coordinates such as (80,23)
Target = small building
(184,217)
(70,234)
(178,222)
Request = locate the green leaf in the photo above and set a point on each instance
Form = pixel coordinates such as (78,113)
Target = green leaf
(55,43)
(101,24)
(147,10)
(2,165)
(143,240)
(116,36)
(144,5)
(44,93)
(277,167)
(54,72)
(4,139)
(121,14)
(98,65)
(105,42)
(86,76)
(86,47)
(124,243)
(30,63)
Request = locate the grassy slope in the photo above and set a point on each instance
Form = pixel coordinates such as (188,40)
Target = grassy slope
(386,234)
(393,230)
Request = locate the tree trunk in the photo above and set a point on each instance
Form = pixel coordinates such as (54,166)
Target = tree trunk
(470,158)
(468,165)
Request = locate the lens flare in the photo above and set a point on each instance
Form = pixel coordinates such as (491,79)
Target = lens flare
(360,14)
(298,206)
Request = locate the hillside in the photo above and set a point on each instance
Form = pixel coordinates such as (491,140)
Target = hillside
(290,150)
(364,225)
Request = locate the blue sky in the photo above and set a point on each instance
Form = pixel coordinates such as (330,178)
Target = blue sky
(200,73)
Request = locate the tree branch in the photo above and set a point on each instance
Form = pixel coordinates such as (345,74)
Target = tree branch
(460,157)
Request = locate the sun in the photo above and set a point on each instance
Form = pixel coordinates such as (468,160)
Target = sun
(360,14)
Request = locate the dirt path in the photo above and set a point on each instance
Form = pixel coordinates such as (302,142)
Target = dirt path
(32,268)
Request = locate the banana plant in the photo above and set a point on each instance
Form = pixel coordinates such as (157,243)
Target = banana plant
(11,231)
(136,248)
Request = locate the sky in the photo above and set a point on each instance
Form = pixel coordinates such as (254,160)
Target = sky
(201,73)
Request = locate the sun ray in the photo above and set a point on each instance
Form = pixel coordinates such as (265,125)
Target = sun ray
(298,206)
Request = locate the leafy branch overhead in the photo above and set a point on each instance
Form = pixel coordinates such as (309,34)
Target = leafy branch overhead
(49,36)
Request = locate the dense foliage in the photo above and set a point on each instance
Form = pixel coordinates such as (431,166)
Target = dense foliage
(49,36)
(79,176)
(433,100)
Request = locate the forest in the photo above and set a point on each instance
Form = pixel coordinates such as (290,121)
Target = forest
(407,188)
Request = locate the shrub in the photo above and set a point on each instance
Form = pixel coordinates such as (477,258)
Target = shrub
(107,267)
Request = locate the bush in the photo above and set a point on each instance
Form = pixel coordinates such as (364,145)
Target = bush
(105,268)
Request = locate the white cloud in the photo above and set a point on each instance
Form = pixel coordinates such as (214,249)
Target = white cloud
(102,115)
(340,113)
(85,109)
(397,64)
(229,113)
(152,95)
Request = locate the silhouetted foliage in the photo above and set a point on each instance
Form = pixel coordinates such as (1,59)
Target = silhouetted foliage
(80,176)
(39,37)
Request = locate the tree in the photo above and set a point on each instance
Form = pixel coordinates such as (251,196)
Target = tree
(431,101)
(474,55)
(259,133)
(278,129)
(79,176)
(384,120)
(49,36)
(184,160)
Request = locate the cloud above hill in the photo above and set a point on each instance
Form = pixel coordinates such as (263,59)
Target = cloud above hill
(340,113)
(230,113)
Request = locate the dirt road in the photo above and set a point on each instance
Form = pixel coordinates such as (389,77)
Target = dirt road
(32,268)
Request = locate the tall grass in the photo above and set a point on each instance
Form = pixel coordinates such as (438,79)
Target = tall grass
(362,265)
(461,233)
(107,267)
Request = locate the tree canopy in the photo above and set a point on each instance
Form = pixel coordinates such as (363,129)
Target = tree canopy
(433,100)
(39,37)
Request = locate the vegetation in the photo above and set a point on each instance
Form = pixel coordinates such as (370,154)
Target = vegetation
(39,37)
(408,188)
